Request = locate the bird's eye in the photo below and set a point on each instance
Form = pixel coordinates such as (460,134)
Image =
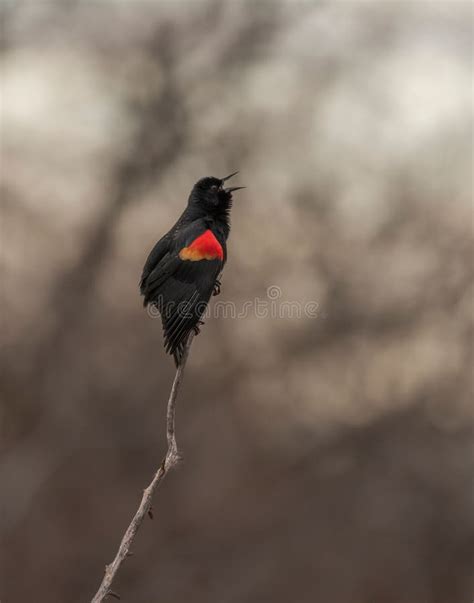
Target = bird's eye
(214,188)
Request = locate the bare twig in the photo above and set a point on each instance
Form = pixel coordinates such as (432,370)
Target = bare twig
(171,459)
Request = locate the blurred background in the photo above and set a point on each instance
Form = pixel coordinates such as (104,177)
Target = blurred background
(327,458)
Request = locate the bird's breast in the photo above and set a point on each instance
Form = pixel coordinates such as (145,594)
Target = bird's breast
(204,247)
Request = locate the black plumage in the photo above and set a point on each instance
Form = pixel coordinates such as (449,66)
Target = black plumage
(182,270)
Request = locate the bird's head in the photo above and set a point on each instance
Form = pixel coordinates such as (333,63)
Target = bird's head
(210,194)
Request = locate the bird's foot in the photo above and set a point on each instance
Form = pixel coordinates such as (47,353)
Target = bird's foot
(217,287)
(197,327)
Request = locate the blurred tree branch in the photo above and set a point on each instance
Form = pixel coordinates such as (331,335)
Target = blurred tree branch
(170,460)
(144,162)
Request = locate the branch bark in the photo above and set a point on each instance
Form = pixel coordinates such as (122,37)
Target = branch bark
(170,460)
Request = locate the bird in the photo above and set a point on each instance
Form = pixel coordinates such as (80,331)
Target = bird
(183,269)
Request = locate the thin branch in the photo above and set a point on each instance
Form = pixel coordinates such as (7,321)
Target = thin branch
(171,459)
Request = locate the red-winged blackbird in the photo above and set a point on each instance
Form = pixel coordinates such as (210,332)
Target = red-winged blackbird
(183,268)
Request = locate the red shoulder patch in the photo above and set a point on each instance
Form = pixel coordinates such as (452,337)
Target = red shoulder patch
(204,247)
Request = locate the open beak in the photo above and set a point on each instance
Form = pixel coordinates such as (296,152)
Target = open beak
(231,189)
(229,177)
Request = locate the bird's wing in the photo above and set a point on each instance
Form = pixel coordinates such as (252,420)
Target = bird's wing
(156,255)
(182,282)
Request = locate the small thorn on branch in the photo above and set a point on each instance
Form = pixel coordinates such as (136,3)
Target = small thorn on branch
(113,594)
(150,512)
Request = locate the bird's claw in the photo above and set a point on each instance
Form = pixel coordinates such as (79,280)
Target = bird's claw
(197,326)
(217,287)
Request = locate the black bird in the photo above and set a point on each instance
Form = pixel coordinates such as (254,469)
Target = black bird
(183,268)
